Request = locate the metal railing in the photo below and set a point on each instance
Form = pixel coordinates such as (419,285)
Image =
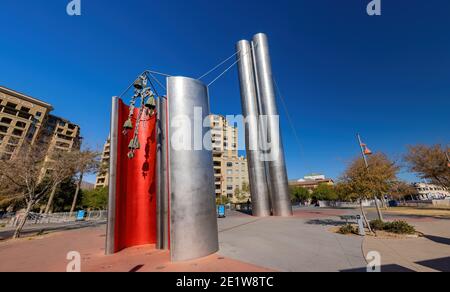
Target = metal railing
(59,218)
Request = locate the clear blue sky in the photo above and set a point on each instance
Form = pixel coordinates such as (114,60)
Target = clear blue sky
(341,71)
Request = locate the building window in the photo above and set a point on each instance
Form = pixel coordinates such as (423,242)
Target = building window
(3,129)
(229,164)
(38,114)
(17,132)
(11,105)
(21,124)
(230,172)
(6,121)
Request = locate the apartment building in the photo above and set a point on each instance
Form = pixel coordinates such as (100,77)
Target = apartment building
(102,180)
(60,134)
(431,192)
(230,170)
(24,119)
(21,119)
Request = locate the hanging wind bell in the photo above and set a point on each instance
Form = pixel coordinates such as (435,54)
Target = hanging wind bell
(147,108)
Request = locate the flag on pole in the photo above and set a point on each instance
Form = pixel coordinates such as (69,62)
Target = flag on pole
(366,149)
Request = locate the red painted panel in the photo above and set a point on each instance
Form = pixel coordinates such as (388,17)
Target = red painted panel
(136,185)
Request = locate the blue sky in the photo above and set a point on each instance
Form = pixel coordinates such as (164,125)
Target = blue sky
(341,71)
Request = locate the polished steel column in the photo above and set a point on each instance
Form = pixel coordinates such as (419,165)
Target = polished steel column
(256,168)
(114,136)
(193,224)
(162,209)
(277,174)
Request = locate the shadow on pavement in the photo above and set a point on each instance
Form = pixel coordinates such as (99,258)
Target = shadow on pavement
(326,222)
(437,239)
(441,265)
(384,269)
(415,217)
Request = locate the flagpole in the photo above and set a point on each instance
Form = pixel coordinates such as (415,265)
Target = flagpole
(380,215)
(362,151)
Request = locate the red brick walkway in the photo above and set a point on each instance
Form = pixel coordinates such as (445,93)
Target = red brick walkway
(48,254)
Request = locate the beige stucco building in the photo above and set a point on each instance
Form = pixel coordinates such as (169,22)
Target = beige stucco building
(312,182)
(102,180)
(24,119)
(230,170)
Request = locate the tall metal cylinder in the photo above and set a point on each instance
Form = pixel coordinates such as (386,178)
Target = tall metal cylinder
(114,136)
(277,173)
(194,231)
(161,172)
(256,168)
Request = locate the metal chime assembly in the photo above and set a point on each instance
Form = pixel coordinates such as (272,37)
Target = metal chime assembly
(147,108)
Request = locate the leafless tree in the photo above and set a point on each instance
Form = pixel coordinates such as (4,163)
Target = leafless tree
(400,190)
(85,162)
(26,182)
(60,165)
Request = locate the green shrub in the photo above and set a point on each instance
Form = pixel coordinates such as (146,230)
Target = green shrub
(399,227)
(348,229)
(377,225)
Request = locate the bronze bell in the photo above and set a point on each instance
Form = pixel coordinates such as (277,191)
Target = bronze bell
(139,83)
(128,125)
(151,103)
(134,144)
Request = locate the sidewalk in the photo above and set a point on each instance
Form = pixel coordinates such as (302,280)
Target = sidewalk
(48,254)
(430,253)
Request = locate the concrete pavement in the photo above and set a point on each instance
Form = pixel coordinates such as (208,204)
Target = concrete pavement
(299,244)
(430,253)
(303,243)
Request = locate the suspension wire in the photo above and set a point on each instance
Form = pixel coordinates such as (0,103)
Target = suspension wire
(153,87)
(157,81)
(158,73)
(291,122)
(151,72)
(232,65)
(224,72)
(125,92)
(217,66)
